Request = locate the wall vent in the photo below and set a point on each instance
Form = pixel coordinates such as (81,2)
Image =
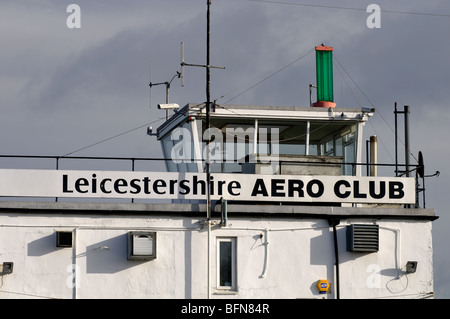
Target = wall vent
(141,245)
(363,238)
(64,239)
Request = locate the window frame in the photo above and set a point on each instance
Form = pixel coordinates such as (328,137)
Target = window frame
(233,264)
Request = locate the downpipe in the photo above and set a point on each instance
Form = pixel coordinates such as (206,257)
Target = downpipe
(334,223)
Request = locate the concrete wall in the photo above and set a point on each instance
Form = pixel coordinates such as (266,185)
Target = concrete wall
(299,252)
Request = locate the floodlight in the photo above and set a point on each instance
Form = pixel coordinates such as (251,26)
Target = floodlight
(170,106)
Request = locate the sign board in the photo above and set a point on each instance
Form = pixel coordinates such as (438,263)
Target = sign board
(192,186)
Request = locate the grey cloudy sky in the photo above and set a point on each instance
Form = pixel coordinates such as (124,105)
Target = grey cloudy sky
(64,89)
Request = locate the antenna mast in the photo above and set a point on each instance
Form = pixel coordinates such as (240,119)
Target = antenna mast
(208,67)
(208,106)
(167,84)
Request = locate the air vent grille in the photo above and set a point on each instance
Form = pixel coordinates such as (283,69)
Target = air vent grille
(363,238)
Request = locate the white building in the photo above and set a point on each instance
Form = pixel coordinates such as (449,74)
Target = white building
(294,214)
(274,247)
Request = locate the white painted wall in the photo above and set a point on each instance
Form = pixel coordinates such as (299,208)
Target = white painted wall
(300,252)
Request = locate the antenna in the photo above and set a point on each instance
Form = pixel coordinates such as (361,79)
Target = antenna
(182,64)
(167,84)
(150,97)
(421,166)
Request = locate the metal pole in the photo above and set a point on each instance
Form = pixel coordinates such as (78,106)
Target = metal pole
(57,168)
(334,222)
(373,156)
(208,102)
(308,123)
(367,159)
(396,137)
(407,151)
(167,98)
(208,169)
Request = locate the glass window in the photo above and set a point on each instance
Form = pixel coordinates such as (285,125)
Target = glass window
(349,151)
(349,154)
(167,144)
(313,149)
(329,148)
(178,148)
(226,263)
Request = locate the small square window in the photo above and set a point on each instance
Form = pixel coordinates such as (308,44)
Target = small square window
(64,239)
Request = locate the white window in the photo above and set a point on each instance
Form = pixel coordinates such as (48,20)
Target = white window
(226,263)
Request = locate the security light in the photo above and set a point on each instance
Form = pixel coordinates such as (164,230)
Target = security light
(170,106)
(411,267)
(7,268)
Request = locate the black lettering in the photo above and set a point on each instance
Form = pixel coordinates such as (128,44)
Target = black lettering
(259,188)
(211,185)
(382,191)
(94,184)
(134,183)
(102,186)
(184,187)
(356,192)
(337,189)
(159,183)
(172,183)
(220,184)
(146,185)
(396,190)
(195,184)
(275,187)
(118,184)
(79,183)
(232,185)
(65,188)
(295,185)
(320,188)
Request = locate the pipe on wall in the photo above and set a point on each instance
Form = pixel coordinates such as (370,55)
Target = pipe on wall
(334,223)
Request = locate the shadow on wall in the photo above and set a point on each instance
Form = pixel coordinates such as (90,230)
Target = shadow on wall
(322,253)
(42,246)
(109,256)
(105,257)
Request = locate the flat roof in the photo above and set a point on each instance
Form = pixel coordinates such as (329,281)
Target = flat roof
(266,112)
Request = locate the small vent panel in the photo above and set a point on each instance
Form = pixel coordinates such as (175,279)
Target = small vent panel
(141,245)
(64,239)
(363,238)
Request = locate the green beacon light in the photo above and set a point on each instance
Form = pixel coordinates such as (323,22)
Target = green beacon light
(324,77)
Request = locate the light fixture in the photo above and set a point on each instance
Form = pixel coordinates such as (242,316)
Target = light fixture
(170,106)
(411,267)
(150,131)
(7,268)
